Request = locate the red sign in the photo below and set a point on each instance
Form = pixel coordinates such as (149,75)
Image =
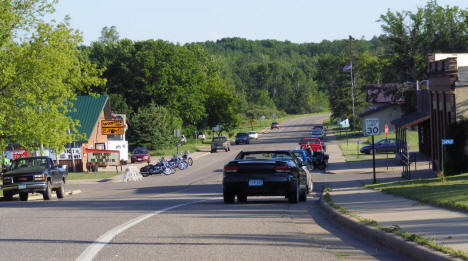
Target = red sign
(386,130)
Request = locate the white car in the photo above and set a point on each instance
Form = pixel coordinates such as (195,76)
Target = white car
(253,135)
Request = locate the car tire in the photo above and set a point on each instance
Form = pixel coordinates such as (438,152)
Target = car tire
(226,149)
(228,197)
(46,195)
(242,198)
(229,148)
(61,190)
(145,174)
(237,143)
(293,196)
(303,194)
(23,196)
(322,166)
(7,196)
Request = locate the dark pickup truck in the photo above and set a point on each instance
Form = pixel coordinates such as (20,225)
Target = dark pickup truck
(34,174)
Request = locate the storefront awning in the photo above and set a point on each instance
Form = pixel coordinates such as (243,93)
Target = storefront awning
(411,119)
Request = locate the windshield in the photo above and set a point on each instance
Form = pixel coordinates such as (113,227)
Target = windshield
(310,142)
(139,151)
(277,155)
(241,134)
(216,139)
(28,162)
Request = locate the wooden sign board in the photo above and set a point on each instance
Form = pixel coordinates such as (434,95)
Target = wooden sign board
(113,131)
(112,123)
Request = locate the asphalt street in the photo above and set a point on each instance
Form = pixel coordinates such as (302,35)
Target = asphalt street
(183,217)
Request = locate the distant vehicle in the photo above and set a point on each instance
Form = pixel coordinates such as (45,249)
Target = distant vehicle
(253,135)
(220,143)
(140,154)
(242,137)
(32,175)
(265,173)
(317,133)
(382,146)
(274,125)
(314,143)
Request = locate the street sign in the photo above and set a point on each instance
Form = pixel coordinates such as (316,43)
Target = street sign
(112,123)
(386,130)
(447,141)
(372,127)
(177,133)
(113,131)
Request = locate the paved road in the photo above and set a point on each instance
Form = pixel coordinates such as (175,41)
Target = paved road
(181,217)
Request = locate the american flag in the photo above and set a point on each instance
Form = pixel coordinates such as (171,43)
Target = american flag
(347,67)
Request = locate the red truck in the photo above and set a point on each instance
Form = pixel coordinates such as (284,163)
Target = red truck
(314,143)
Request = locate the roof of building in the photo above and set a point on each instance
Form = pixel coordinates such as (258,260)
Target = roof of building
(377,108)
(87,112)
(411,119)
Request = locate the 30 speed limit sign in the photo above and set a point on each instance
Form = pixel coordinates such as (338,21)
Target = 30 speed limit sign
(372,127)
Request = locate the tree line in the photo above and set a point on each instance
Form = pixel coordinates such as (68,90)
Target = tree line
(163,86)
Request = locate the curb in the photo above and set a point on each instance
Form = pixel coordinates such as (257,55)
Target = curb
(406,248)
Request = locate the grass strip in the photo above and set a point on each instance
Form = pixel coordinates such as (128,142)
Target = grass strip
(92,175)
(451,193)
(396,230)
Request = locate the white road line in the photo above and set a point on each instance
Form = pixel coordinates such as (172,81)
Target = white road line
(92,250)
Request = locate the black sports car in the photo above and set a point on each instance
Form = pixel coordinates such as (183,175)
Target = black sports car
(265,173)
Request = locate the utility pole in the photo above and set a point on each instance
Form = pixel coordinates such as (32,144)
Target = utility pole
(352,78)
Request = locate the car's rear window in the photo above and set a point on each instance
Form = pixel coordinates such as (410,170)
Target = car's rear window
(216,139)
(317,131)
(242,134)
(265,156)
(310,142)
(139,152)
(252,132)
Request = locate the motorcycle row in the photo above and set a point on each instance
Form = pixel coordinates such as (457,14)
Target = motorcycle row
(166,167)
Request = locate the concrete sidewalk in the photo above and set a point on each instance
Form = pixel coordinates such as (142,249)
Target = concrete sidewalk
(445,227)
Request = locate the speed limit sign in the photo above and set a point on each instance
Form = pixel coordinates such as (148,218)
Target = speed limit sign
(372,127)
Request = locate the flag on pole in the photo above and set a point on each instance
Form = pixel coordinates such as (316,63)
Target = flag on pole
(347,67)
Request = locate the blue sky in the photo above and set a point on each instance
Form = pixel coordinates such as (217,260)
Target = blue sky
(200,20)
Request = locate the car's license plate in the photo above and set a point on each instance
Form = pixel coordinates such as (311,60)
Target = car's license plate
(139,159)
(255,182)
(21,186)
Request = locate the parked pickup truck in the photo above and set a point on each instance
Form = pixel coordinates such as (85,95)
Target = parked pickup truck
(34,174)
(220,143)
(314,143)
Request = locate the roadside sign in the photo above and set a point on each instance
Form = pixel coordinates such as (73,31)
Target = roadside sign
(372,127)
(113,131)
(112,123)
(177,133)
(386,130)
(447,141)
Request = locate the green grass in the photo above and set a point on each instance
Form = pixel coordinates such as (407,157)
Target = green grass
(452,194)
(169,151)
(92,175)
(396,230)
(351,149)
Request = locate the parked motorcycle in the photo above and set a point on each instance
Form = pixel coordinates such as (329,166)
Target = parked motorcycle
(179,162)
(167,167)
(320,160)
(187,158)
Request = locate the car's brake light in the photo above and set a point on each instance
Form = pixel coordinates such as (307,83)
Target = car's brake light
(283,169)
(231,169)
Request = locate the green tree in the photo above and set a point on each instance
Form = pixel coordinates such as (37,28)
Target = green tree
(153,126)
(42,72)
